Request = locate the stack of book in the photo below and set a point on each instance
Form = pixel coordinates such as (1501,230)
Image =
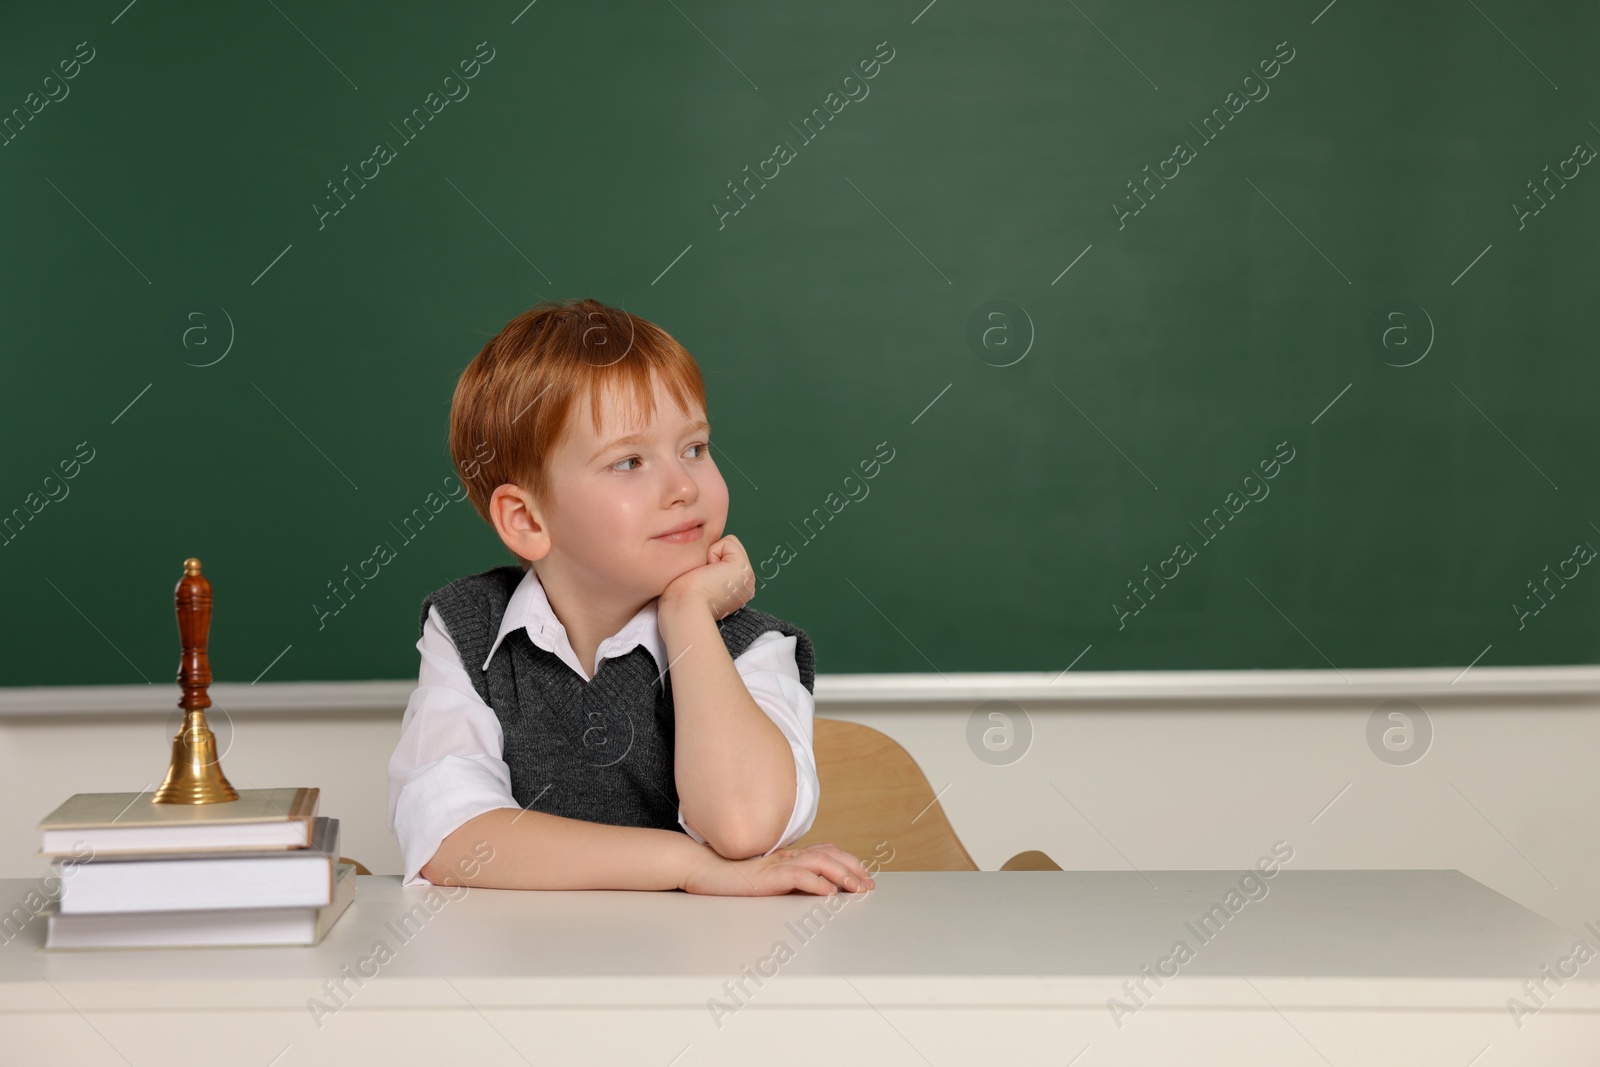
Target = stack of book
(260,870)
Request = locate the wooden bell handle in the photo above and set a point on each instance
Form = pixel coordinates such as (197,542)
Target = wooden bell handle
(193,597)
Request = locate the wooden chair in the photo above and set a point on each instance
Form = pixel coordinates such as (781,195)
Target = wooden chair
(875,798)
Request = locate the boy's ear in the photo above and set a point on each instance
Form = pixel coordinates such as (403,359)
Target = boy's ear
(520,521)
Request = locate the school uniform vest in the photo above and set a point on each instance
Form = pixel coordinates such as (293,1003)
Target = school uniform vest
(600,750)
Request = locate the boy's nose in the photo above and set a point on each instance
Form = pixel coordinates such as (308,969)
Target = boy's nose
(682,488)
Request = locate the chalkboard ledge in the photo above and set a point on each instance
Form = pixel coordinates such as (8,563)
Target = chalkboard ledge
(1036,690)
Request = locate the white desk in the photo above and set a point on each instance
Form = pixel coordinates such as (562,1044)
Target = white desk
(1355,968)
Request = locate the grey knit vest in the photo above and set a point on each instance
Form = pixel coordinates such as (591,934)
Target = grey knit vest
(600,750)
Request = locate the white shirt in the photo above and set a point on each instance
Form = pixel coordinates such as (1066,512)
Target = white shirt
(447,767)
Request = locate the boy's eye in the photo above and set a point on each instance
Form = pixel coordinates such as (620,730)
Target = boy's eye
(704,446)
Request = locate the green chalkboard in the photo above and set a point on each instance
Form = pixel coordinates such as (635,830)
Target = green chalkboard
(1076,277)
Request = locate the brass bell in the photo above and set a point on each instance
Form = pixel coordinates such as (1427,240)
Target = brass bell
(195,776)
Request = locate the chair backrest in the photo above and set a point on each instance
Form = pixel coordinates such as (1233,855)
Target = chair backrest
(875,798)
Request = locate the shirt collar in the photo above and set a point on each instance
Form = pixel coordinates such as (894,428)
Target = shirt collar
(529,608)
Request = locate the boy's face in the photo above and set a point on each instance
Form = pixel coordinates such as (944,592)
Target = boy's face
(609,500)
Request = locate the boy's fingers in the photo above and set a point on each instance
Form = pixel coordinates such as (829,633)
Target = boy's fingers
(795,876)
(847,859)
(731,548)
(834,870)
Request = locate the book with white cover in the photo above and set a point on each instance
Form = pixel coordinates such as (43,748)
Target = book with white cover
(103,824)
(237,927)
(187,881)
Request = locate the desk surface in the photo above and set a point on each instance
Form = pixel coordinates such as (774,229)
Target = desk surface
(1086,930)
(1382,968)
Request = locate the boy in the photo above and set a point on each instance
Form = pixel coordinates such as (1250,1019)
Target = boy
(608,714)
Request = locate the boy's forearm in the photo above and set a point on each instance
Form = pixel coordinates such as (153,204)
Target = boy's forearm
(734,768)
(510,848)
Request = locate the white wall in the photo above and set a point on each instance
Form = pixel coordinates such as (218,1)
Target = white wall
(1200,770)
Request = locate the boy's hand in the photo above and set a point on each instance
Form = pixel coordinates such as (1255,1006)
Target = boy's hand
(724,584)
(819,869)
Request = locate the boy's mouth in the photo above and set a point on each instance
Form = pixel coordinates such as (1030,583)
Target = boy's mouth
(682,535)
